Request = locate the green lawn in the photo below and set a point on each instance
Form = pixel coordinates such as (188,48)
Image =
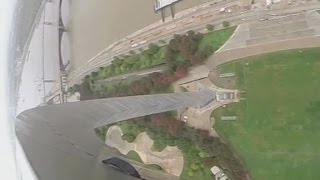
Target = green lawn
(134,156)
(214,40)
(278,131)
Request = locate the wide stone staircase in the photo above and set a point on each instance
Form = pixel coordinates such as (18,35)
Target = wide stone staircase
(280,28)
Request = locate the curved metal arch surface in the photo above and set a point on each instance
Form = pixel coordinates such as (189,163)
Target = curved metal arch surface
(59,140)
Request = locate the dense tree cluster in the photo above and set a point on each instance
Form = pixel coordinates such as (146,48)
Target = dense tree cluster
(151,84)
(129,63)
(183,50)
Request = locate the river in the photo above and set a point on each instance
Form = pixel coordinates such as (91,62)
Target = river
(98,23)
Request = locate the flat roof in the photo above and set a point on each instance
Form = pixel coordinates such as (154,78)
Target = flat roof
(159,4)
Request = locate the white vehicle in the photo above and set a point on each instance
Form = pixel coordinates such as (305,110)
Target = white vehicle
(134,45)
(142,42)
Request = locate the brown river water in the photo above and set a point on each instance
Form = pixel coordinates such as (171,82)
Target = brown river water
(96,24)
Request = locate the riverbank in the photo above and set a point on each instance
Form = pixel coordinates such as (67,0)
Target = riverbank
(40,70)
(95,25)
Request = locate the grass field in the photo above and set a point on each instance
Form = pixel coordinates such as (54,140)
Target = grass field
(134,156)
(214,40)
(277,133)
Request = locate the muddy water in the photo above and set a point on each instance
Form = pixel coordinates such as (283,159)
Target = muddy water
(98,23)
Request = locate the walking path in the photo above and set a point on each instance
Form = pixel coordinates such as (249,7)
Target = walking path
(170,159)
(200,118)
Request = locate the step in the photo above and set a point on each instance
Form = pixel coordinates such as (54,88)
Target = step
(278,37)
(279,29)
(279,20)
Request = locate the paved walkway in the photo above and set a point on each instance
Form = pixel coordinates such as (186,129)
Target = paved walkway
(200,118)
(170,159)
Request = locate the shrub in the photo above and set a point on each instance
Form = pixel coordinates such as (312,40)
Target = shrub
(210,27)
(190,173)
(132,52)
(128,137)
(162,41)
(94,74)
(191,33)
(225,24)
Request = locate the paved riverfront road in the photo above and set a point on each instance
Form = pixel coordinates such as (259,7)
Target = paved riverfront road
(106,58)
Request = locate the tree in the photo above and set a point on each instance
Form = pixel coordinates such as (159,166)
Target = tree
(190,173)
(198,57)
(162,41)
(128,137)
(87,77)
(94,74)
(132,52)
(181,72)
(225,24)
(153,48)
(210,27)
(191,33)
(72,90)
(159,143)
(194,166)
(177,37)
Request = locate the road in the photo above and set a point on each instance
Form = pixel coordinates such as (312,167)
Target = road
(105,58)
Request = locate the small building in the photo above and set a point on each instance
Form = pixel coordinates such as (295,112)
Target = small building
(225,96)
(218,173)
(159,4)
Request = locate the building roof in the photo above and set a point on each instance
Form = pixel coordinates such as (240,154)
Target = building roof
(215,170)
